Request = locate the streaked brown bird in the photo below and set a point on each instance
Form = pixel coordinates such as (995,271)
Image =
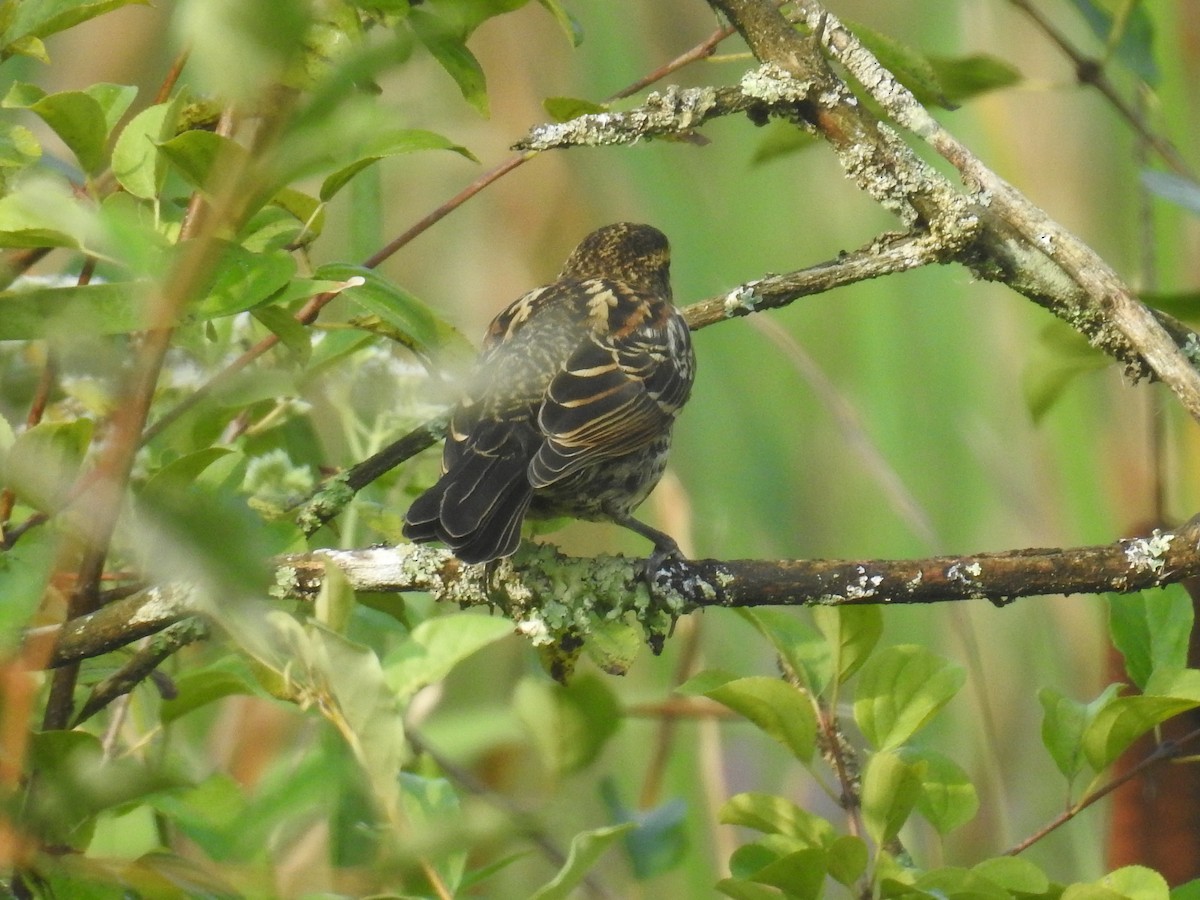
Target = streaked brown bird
(570,407)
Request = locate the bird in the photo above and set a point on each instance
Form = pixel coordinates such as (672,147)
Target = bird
(570,407)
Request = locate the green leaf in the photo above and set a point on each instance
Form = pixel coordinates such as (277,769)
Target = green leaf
(243,280)
(416,324)
(431,806)
(77,118)
(293,334)
(200,687)
(25,571)
(447,45)
(776,815)
(76,781)
(18,146)
(955,881)
(852,632)
(137,162)
(114,100)
(847,859)
(194,153)
(745,890)
(1123,720)
(566,21)
(563,109)
(801,648)
(1151,629)
(799,875)
(1014,874)
(436,646)
(948,799)
(660,841)
(1062,355)
(891,788)
(962,78)
(1063,723)
(899,690)
(41,465)
(586,848)
(615,644)
(408,140)
(704,681)
(42,18)
(42,212)
(779,709)
(84,310)
(781,139)
(570,724)
(1137,883)
(242,49)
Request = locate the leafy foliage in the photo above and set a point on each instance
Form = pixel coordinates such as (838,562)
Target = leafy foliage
(215,214)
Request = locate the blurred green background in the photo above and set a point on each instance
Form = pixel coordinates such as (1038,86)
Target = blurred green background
(884,419)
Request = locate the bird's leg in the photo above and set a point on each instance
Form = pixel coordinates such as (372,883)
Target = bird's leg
(665,546)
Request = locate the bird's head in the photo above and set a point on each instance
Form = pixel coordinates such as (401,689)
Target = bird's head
(637,255)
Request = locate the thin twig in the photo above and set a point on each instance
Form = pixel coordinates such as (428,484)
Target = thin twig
(1091,71)
(1165,751)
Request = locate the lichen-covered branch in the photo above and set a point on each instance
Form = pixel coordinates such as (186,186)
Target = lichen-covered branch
(549,595)
(1015,242)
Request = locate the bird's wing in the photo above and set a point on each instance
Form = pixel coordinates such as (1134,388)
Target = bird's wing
(619,391)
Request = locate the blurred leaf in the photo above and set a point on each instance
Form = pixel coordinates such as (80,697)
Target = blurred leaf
(1182,191)
(899,690)
(137,162)
(563,109)
(776,815)
(804,651)
(964,77)
(846,858)
(704,681)
(31,19)
(294,335)
(566,21)
(412,318)
(659,841)
(570,724)
(781,139)
(436,646)
(1151,630)
(1123,720)
(851,632)
(25,571)
(77,118)
(194,153)
(42,464)
(1013,874)
(241,49)
(18,146)
(90,309)
(76,781)
(449,48)
(948,799)
(243,280)
(1127,31)
(745,890)
(891,789)
(1062,355)
(779,709)
(43,212)
(431,805)
(198,688)
(1131,882)
(114,100)
(408,140)
(955,881)
(1063,723)
(586,848)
